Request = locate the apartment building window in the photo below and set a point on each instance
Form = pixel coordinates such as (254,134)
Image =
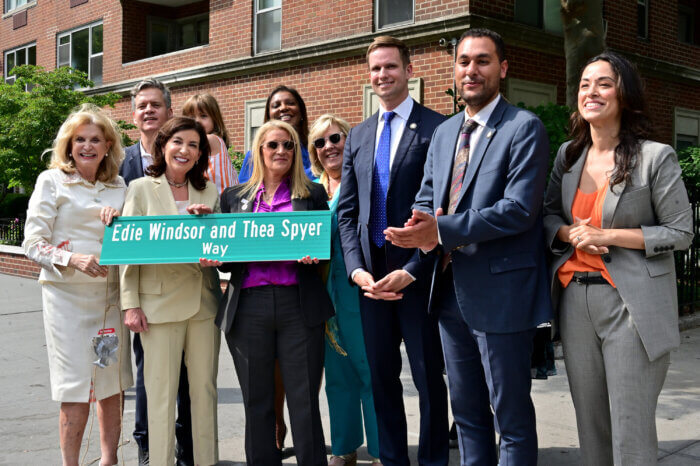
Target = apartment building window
(543,14)
(643,19)
(165,36)
(686,25)
(370,101)
(268,25)
(12,4)
(25,55)
(254,119)
(390,13)
(530,93)
(686,128)
(82,49)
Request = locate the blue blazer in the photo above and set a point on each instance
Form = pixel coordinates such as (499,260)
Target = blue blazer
(132,167)
(354,204)
(496,235)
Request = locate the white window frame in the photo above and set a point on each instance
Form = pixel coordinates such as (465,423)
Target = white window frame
(686,122)
(256,14)
(11,5)
(26,47)
(370,101)
(70,50)
(377,27)
(516,86)
(250,107)
(645,4)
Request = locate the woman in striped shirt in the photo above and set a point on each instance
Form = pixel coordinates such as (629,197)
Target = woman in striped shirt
(205,109)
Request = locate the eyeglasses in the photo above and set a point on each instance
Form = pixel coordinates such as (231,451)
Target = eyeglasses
(272,145)
(333,138)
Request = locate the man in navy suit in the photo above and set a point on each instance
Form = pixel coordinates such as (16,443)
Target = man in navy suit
(150,104)
(484,182)
(382,170)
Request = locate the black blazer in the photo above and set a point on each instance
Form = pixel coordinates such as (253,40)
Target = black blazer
(316,306)
(355,201)
(132,167)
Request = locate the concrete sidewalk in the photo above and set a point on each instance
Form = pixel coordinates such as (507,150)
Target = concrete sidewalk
(29,419)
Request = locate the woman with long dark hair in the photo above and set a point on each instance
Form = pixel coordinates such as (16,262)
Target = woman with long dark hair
(615,210)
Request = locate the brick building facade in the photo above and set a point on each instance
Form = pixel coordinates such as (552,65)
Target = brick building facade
(238,50)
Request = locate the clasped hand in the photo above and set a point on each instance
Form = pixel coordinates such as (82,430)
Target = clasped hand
(388,288)
(419,231)
(586,237)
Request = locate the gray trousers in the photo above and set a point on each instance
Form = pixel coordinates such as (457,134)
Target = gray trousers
(613,384)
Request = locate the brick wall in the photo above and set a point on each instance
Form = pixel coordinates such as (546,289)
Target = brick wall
(15,263)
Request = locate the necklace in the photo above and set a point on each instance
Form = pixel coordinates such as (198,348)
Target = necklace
(176,185)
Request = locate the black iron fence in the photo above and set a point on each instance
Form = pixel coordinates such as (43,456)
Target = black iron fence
(688,263)
(11,231)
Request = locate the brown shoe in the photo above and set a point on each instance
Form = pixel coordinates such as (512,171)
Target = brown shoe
(344,460)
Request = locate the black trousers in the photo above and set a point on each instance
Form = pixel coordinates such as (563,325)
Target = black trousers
(268,325)
(385,324)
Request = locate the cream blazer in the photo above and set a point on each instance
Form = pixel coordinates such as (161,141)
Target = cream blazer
(168,292)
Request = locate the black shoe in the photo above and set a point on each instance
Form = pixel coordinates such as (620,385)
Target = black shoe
(182,458)
(144,460)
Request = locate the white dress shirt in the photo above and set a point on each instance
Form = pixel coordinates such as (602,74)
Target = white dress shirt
(398,124)
(481,117)
(146,158)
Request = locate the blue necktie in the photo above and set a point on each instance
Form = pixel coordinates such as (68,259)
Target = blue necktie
(380,183)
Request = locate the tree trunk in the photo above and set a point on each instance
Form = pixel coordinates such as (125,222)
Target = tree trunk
(584,38)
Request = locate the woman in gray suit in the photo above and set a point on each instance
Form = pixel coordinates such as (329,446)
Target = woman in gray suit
(615,210)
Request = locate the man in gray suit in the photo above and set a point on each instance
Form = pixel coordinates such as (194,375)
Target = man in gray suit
(486,172)
(150,104)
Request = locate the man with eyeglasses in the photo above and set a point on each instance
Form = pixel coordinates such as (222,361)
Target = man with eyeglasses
(150,104)
(382,171)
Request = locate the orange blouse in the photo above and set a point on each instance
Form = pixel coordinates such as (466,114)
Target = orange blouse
(586,205)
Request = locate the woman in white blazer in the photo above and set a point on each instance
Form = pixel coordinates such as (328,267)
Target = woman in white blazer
(615,210)
(71,203)
(173,306)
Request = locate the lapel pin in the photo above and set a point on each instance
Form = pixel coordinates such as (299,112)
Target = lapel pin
(489,134)
(413,126)
(244,204)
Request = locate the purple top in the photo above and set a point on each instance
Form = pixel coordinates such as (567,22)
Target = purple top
(282,273)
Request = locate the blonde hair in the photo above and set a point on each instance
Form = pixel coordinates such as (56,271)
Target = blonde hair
(85,115)
(299,183)
(319,127)
(206,103)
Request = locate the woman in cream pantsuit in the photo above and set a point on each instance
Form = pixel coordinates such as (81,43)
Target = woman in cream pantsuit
(173,306)
(70,205)
(615,210)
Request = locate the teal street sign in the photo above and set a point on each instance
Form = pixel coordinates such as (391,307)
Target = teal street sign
(177,239)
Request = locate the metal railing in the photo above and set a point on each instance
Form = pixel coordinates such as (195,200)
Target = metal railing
(11,231)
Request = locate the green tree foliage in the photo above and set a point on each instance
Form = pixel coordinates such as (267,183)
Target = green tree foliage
(556,123)
(236,158)
(29,120)
(689,159)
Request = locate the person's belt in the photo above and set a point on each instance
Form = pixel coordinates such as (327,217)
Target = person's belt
(594,280)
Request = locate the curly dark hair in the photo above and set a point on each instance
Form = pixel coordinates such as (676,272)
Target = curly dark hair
(172,126)
(303,129)
(635,123)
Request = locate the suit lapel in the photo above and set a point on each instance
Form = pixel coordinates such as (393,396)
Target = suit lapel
(442,175)
(164,195)
(476,154)
(409,134)
(569,184)
(365,158)
(134,161)
(612,197)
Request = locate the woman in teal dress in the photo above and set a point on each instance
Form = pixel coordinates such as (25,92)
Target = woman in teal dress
(348,383)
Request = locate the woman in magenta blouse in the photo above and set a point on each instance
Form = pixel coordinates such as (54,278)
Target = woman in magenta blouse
(277,309)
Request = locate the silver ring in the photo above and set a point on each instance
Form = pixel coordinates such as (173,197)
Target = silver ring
(578,239)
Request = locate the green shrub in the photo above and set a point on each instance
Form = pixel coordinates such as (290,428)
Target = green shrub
(236,158)
(689,159)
